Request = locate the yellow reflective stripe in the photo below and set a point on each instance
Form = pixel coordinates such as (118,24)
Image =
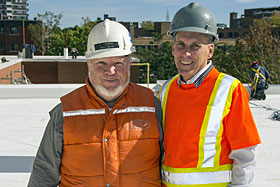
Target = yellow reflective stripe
(196,185)
(164,101)
(256,79)
(192,170)
(206,119)
(83,112)
(226,111)
(135,109)
(258,72)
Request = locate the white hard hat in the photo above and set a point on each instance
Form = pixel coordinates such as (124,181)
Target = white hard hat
(109,39)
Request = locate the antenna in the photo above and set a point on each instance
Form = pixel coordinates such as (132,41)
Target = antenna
(167,15)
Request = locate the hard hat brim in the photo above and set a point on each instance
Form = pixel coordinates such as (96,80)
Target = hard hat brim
(192,29)
(105,53)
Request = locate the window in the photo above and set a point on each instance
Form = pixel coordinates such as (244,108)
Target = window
(14,47)
(221,35)
(13,30)
(230,35)
(2,46)
(236,34)
(1,29)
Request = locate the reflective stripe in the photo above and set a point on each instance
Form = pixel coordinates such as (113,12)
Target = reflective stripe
(212,121)
(208,169)
(135,109)
(163,97)
(258,72)
(198,185)
(196,178)
(84,112)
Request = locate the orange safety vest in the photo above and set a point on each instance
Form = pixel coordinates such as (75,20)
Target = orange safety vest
(116,148)
(200,132)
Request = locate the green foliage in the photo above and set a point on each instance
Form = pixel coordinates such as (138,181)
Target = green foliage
(148,25)
(259,45)
(36,33)
(78,35)
(52,39)
(157,36)
(162,66)
(233,61)
(48,27)
(264,46)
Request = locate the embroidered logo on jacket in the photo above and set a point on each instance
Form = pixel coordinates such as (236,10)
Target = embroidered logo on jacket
(138,124)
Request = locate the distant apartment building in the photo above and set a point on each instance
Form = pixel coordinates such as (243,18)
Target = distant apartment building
(239,27)
(13,9)
(14,34)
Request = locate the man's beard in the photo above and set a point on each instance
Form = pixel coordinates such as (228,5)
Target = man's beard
(107,94)
(110,95)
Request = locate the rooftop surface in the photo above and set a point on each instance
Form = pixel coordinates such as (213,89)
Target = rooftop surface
(24,115)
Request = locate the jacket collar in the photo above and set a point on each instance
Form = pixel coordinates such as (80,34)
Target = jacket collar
(198,78)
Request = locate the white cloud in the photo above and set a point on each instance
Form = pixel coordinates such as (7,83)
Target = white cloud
(245,1)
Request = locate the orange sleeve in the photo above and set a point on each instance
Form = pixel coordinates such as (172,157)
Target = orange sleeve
(239,124)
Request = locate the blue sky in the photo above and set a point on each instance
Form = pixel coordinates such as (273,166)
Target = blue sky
(138,10)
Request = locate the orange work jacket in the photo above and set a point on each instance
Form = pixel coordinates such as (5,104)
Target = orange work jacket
(201,126)
(117,148)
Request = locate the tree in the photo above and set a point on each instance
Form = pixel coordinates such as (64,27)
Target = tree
(232,60)
(50,25)
(260,44)
(36,36)
(161,62)
(77,36)
(264,46)
(147,25)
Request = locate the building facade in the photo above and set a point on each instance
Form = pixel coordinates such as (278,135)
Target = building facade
(240,27)
(14,35)
(14,9)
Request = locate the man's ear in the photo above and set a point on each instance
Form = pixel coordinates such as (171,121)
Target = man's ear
(210,51)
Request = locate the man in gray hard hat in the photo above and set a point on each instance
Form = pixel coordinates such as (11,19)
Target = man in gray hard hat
(107,132)
(210,135)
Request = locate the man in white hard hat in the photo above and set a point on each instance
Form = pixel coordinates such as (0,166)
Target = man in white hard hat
(210,135)
(106,133)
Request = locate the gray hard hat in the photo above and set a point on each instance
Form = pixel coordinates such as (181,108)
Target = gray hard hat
(194,18)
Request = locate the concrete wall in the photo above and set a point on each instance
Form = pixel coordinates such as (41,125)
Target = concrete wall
(62,72)
(50,71)
(10,72)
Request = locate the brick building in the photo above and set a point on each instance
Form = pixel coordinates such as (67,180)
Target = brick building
(239,27)
(13,35)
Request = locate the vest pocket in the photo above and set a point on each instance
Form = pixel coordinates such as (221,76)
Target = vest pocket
(139,155)
(82,159)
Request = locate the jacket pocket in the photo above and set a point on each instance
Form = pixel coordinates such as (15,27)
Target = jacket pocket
(82,159)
